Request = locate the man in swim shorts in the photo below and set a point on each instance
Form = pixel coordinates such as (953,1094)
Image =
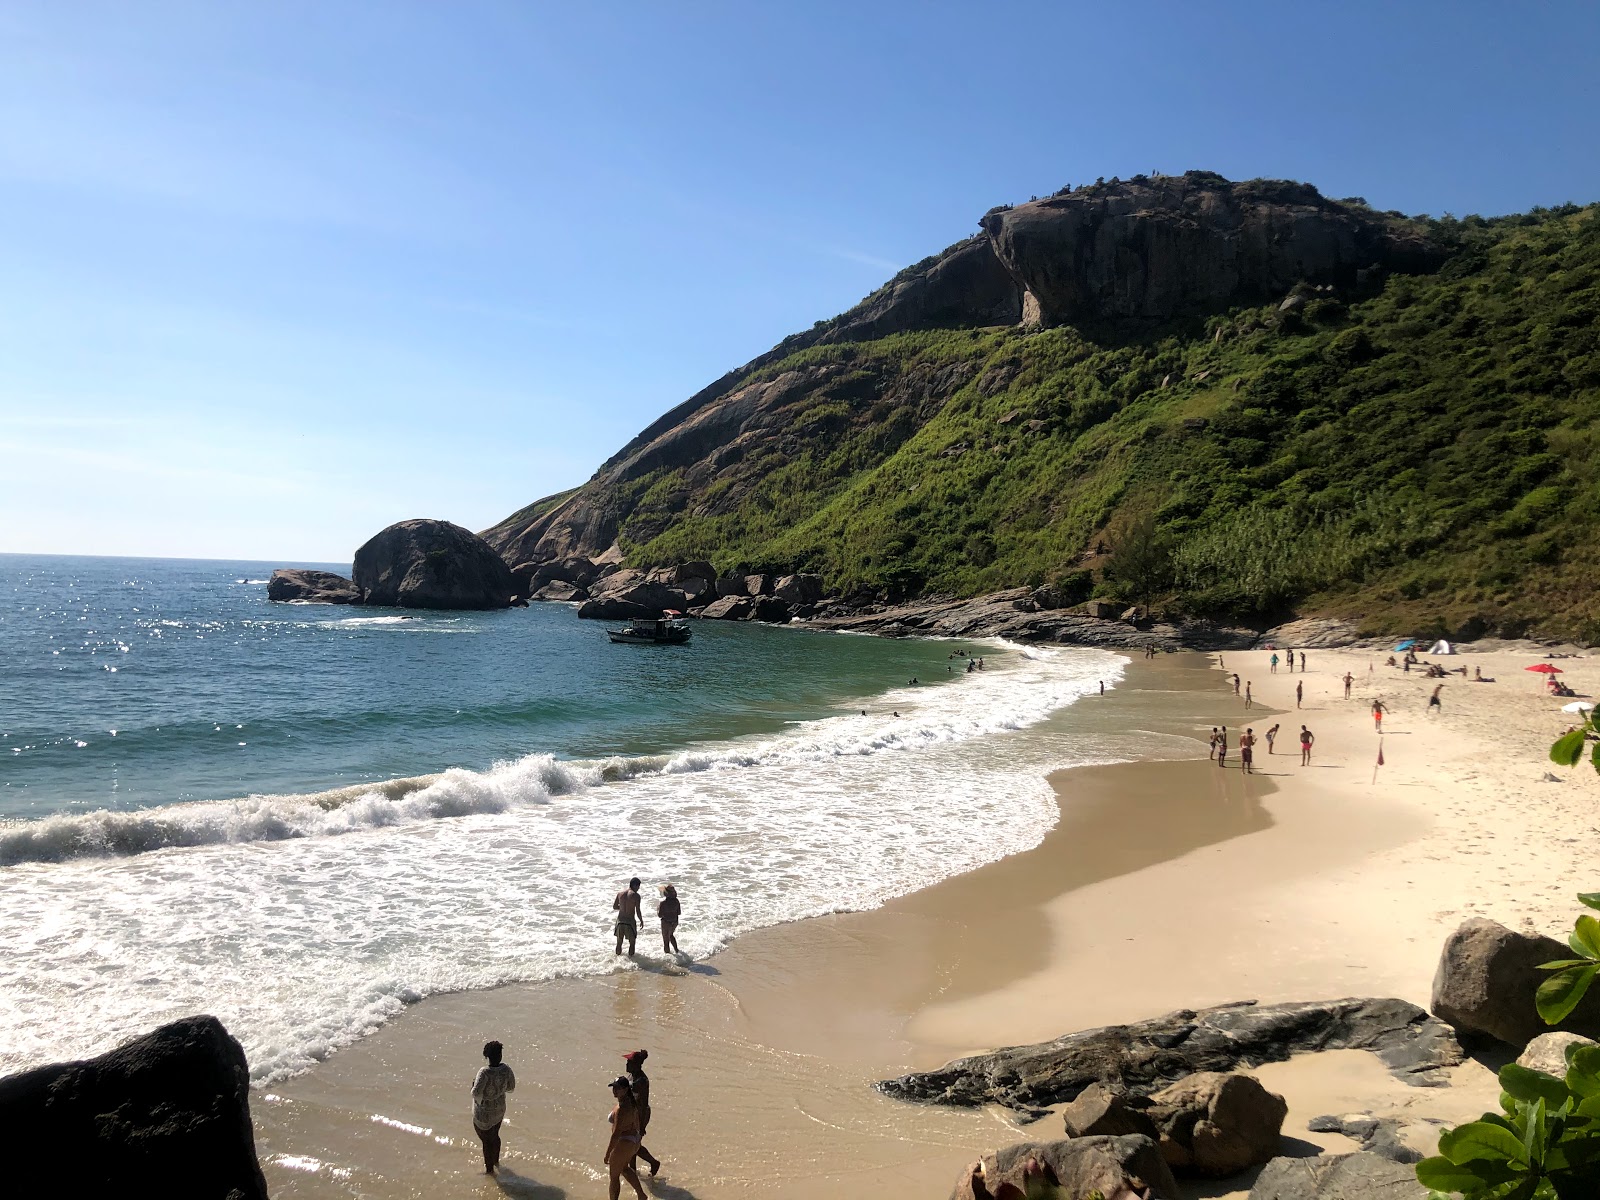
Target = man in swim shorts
(627,908)
(1247,753)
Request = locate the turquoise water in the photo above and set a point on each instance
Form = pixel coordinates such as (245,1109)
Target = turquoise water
(302,818)
(127,683)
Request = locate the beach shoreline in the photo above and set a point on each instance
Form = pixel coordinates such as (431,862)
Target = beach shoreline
(1165,884)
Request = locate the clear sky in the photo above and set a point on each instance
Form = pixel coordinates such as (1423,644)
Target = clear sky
(274,275)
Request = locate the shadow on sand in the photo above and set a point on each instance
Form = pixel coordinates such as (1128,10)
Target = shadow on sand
(668,1191)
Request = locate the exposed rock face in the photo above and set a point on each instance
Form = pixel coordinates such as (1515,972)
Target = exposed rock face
(167,1114)
(1487,978)
(769,608)
(1383,1136)
(1119,1168)
(799,589)
(317,587)
(1149,1055)
(1099,1110)
(1217,1124)
(1313,633)
(1175,244)
(1357,1176)
(1548,1052)
(579,572)
(432,564)
(729,608)
(560,591)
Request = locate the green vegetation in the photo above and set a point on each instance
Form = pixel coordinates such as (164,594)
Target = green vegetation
(1427,457)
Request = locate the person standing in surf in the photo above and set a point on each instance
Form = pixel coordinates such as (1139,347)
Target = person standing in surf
(627,906)
(634,1061)
(669,910)
(624,1144)
(489,1103)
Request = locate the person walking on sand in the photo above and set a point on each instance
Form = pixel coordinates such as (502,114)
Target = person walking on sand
(1247,700)
(1348,680)
(1274,661)
(634,1061)
(1213,752)
(1433,701)
(1299,692)
(1222,747)
(1272,736)
(1235,685)
(626,906)
(1377,715)
(489,1103)
(669,910)
(625,1142)
(1247,744)
(1307,740)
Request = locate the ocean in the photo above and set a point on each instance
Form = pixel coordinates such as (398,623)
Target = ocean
(301,818)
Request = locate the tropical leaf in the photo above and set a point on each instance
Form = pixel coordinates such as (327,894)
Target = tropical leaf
(1481,1140)
(1442,1175)
(1568,748)
(1585,937)
(1559,995)
(1583,1069)
(1525,1084)
(1590,899)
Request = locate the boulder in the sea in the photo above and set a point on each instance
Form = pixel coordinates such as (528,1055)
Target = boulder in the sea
(1217,1124)
(729,608)
(1548,1052)
(1122,1167)
(1359,1176)
(573,569)
(1487,979)
(639,599)
(432,564)
(315,587)
(799,589)
(758,585)
(560,590)
(770,609)
(165,1115)
(1099,1110)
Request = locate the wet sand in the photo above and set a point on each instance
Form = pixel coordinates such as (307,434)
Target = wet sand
(1166,884)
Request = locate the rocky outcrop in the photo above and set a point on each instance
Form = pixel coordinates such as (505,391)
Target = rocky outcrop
(627,594)
(729,608)
(1217,1124)
(1161,247)
(533,577)
(1383,1136)
(167,1114)
(1486,980)
(1357,1176)
(432,564)
(561,591)
(799,589)
(1149,1055)
(1118,1168)
(1548,1052)
(289,584)
(1099,1110)
(1311,633)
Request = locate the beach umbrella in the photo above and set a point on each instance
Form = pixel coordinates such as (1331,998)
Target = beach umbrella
(1544,669)
(1407,644)
(1577,706)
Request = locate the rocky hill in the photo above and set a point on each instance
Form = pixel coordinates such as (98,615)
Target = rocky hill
(1240,399)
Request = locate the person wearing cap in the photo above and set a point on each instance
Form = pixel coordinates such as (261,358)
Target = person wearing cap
(669,910)
(624,1144)
(634,1061)
(627,906)
(489,1103)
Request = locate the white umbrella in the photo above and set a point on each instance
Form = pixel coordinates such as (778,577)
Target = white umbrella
(1577,706)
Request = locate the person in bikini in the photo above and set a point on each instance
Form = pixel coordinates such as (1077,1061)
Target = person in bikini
(627,906)
(634,1060)
(626,1141)
(669,910)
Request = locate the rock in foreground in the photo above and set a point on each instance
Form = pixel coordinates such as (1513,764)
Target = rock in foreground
(1217,1125)
(1144,1057)
(1358,1176)
(312,587)
(1487,978)
(167,1115)
(1122,1167)
(432,564)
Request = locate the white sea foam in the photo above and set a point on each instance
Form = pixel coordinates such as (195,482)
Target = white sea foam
(306,922)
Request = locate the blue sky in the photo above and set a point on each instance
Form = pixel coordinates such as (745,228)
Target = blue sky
(275,275)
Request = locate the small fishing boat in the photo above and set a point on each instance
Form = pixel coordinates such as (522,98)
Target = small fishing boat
(647,631)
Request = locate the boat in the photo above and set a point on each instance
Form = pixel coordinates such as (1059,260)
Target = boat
(652,631)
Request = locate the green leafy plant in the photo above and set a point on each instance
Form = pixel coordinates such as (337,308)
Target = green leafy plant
(1544,1144)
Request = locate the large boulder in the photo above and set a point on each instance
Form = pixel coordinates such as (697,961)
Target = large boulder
(313,587)
(560,590)
(1119,1168)
(1487,978)
(573,569)
(432,564)
(165,1115)
(729,608)
(1100,1110)
(769,608)
(799,589)
(641,599)
(1217,1124)
(758,585)
(1359,1176)
(732,585)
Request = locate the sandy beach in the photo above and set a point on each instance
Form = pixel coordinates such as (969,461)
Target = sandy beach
(1168,883)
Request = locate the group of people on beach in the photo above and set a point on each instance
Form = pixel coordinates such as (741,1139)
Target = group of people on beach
(629,1118)
(629,907)
(1247,746)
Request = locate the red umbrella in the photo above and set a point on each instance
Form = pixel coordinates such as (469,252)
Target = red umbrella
(1544,669)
